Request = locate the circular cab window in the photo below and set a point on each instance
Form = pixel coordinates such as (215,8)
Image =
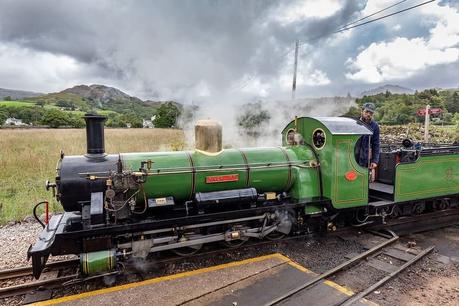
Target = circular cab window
(290,137)
(318,139)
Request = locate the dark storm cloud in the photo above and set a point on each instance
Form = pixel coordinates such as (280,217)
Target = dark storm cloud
(186,49)
(166,47)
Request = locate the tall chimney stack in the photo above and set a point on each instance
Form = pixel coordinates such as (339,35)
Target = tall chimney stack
(95,135)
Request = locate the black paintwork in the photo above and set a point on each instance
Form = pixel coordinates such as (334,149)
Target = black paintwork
(95,134)
(64,234)
(73,184)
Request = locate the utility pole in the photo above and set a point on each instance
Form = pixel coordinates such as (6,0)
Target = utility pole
(294,69)
(426,124)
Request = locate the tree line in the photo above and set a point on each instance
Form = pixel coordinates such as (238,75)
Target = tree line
(165,116)
(401,108)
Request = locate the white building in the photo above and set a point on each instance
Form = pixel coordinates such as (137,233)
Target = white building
(148,124)
(14,121)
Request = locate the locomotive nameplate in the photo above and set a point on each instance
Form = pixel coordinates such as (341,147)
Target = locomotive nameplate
(222,178)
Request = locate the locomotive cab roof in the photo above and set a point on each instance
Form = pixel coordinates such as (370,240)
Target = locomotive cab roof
(339,125)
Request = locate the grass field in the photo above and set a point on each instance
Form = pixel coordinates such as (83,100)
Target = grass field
(50,106)
(17,103)
(28,158)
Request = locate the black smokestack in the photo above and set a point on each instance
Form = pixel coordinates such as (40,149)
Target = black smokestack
(95,135)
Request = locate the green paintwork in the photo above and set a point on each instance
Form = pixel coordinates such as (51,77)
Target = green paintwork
(266,169)
(336,159)
(226,158)
(435,175)
(96,262)
(163,185)
(306,180)
(313,209)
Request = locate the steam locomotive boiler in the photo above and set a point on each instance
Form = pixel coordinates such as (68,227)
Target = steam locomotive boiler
(129,205)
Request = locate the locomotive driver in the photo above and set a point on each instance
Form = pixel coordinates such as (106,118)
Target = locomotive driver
(367,149)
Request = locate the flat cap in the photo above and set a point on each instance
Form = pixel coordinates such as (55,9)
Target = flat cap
(369,107)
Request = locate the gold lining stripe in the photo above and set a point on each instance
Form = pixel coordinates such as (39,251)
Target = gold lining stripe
(247,181)
(193,175)
(289,178)
(209,153)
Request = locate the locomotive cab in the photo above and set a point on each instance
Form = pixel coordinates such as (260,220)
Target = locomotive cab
(333,139)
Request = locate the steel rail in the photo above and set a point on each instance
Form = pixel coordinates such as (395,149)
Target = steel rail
(420,223)
(27,287)
(27,271)
(332,271)
(354,298)
(24,288)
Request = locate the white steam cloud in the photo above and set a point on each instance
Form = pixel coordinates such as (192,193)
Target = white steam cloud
(280,113)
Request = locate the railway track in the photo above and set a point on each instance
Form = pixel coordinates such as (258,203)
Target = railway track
(50,278)
(49,282)
(403,226)
(382,248)
(420,223)
(27,271)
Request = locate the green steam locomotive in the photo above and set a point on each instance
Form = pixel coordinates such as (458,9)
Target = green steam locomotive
(130,205)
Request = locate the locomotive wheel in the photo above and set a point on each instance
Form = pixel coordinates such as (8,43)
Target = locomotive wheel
(441,204)
(187,251)
(275,236)
(418,208)
(397,212)
(235,243)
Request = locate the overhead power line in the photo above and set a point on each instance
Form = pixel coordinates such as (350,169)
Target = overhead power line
(382,17)
(371,15)
(367,22)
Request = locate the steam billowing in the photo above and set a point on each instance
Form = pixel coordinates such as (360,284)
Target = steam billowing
(267,133)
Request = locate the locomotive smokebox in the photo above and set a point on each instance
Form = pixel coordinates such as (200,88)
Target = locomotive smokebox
(95,135)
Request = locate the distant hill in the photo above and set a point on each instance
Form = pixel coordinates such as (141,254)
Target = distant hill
(101,93)
(17,94)
(395,89)
(65,108)
(99,97)
(159,103)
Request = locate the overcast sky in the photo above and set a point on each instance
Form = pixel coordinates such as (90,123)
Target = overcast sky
(223,50)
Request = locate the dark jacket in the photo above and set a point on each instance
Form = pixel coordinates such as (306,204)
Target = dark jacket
(361,148)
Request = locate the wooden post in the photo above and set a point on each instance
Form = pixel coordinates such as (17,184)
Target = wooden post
(426,124)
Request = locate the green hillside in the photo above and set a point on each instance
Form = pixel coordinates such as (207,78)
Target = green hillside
(66,108)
